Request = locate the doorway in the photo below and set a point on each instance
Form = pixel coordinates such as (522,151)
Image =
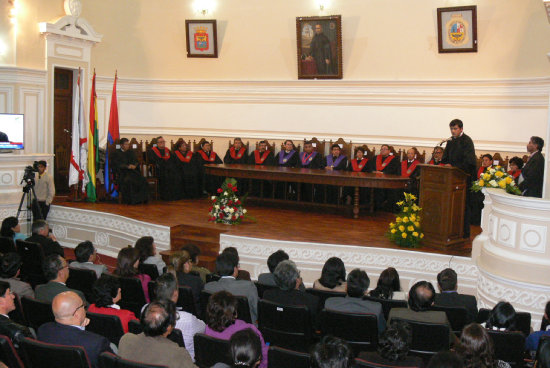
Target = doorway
(62,125)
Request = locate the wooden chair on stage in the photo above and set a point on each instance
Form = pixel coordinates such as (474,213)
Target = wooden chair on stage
(270,146)
(197,146)
(397,154)
(297,148)
(498,160)
(346,148)
(318,146)
(174,144)
(247,145)
(370,152)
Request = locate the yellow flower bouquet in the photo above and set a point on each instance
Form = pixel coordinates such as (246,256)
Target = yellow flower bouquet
(406,230)
(496,177)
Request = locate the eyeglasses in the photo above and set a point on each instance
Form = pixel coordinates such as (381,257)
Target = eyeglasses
(76,310)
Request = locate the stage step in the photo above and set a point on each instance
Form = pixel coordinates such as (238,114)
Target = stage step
(207,239)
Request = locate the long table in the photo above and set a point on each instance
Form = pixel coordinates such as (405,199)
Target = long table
(313,176)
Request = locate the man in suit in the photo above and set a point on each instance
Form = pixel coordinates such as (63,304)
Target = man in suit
(86,254)
(272,262)
(11,329)
(532,174)
(56,272)
(69,327)
(10,267)
(227,267)
(357,284)
(449,297)
(41,235)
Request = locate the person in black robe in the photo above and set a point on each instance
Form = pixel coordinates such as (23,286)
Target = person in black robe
(321,52)
(359,164)
(237,154)
(132,185)
(166,170)
(334,162)
(532,174)
(261,157)
(186,163)
(460,152)
(310,159)
(287,157)
(410,169)
(209,184)
(385,163)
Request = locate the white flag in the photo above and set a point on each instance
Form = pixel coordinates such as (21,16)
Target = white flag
(79,147)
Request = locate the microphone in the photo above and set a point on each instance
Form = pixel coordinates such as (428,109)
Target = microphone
(445,141)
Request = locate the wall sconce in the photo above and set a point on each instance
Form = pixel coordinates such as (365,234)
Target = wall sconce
(14,10)
(3,48)
(204,7)
(323,4)
(547,6)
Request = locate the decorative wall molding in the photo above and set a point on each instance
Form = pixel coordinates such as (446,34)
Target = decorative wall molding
(12,168)
(15,75)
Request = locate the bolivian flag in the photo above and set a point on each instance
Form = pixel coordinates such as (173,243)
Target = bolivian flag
(93,144)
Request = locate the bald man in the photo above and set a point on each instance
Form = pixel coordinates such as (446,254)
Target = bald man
(69,327)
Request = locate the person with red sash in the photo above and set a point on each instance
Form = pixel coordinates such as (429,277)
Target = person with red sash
(287,157)
(514,167)
(186,162)
(261,156)
(486,162)
(359,164)
(236,154)
(334,162)
(478,197)
(437,155)
(165,169)
(385,163)
(209,184)
(410,169)
(310,159)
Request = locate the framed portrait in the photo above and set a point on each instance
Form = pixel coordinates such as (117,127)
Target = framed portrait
(202,38)
(319,43)
(457,29)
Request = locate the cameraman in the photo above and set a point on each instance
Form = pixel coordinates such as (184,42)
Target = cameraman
(45,191)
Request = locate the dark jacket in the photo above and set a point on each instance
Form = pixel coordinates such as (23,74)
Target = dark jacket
(48,245)
(460,152)
(454,299)
(294,297)
(533,176)
(13,330)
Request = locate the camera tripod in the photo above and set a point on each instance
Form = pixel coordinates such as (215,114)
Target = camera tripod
(29,194)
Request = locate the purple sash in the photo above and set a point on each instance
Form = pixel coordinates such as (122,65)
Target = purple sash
(306,160)
(335,163)
(283,158)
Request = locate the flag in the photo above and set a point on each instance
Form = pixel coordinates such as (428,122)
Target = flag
(93,152)
(78,147)
(112,135)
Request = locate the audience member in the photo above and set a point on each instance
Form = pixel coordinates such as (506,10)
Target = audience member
(9,328)
(449,297)
(514,167)
(152,345)
(222,322)
(332,352)
(10,267)
(56,271)
(357,285)
(41,235)
(543,359)
(227,267)
(532,175)
(127,266)
(194,253)
(86,255)
(167,289)
(273,260)
(246,350)
(148,253)
(243,274)
(532,341)
(106,296)
(502,318)
(68,328)
(180,265)
(476,348)
(388,286)
(333,276)
(12,229)
(446,359)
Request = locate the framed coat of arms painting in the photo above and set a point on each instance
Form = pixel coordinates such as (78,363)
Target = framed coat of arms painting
(202,38)
(457,29)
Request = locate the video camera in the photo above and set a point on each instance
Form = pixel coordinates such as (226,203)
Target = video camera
(28,177)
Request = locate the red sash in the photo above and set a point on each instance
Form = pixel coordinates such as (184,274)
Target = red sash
(166,151)
(307,158)
(258,159)
(432,162)
(516,174)
(382,165)
(406,172)
(358,167)
(239,154)
(212,157)
(480,171)
(186,158)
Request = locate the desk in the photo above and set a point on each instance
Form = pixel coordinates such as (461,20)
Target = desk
(313,176)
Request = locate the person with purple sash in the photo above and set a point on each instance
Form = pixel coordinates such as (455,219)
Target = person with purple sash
(287,157)
(334,161)
(310,159)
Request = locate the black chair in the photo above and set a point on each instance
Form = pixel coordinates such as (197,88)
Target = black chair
(285,326)
(284,358)
(523,320)
(544,345)
(186,301)
(17,314)
(457,316)
(388,304)
(8,354)
(39,354)
(37,312)
(32,258)
(324,295)
(360,330)
(360,363)
(83,280)
(508,346)
(7,245)
(152,290)
(105,325)
(210,350)
(133,297)
(427,338)
(149,269)
(110,360)
(212,277)
(176,335)
(243,309)
(263,287)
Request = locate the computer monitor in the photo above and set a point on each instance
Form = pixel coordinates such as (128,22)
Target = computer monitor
(12,131)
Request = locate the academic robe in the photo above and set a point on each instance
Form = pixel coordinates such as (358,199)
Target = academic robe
(256,185)
(386,198)
(167,172)
(333,192)
(268,161)
(286,159)
(209,183)
(233,156)
(356,165)
(410,169)
(132,185)
(188,167)
(313,160)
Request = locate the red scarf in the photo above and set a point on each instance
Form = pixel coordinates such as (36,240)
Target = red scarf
(480,171)
(166,151)
(516,174)
(237,156)
(381,166)
(212,157)
(260,160)
(406,172)
(186,158)
(358,167)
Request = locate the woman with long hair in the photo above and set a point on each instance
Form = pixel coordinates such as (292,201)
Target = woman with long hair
(148,253)
(476,348)
(333,276)
(11,229)
(388,286)
(127,266)
(180,265)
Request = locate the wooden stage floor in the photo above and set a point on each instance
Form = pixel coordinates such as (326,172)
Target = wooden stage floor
(272,223)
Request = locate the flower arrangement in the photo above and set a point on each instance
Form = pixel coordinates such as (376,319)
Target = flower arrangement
(406,230)
(496,177)
(226,207)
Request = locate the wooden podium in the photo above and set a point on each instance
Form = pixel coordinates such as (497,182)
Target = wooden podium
(443,199)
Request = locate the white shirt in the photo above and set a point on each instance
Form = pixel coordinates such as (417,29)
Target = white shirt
(189,326)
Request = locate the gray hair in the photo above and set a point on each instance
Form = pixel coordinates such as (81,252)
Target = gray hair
(38,225)
(286,273)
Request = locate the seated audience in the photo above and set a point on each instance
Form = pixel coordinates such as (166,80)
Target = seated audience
(243,274)
(106,296)
(167,289)
(12,229)
(272,261)
(388,286)
(194,253)
(148,253)
(501,318)
(449,297)
(446,359)
(543,360)
(532,341)
(41,235)
(514,167)
(86,255)
(56,271)
(332,352)
(68,328)
(476,348)
(227,267)
(222,322)
(246,350)
(288,280)
(333,276)
(127,266)
(180,265)
(357,286)
(393,347)
(152,345)
(10,267)
(132,185)
(9,328)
